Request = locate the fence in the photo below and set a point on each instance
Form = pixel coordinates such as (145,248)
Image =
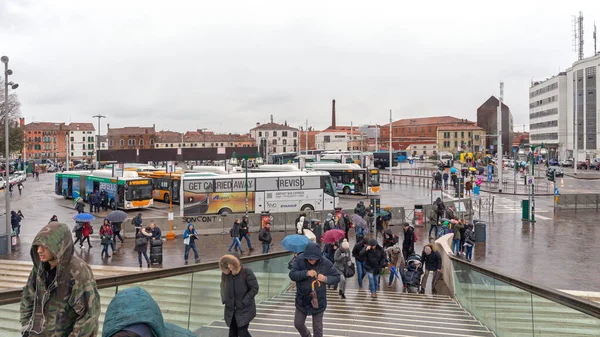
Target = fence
(577,201)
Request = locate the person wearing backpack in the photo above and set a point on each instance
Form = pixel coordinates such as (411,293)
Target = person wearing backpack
(238,289)
(264,236)
(469,242)
(329,223)
(137,222)
(234,232)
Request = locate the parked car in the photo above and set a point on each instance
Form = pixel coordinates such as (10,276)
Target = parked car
(558,172)
(582,165)
(21,175)
(51,169)
(566,163)
(553,162)
(2,182)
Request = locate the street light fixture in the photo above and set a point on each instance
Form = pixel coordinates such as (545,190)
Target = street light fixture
(7,72)
(257,160)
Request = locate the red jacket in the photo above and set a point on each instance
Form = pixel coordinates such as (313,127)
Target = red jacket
(86,229)
(106,231)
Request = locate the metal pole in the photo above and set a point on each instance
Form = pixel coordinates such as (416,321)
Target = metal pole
(575,156)
(376,136)
(7,164)
(532,188)
(306,153)
(391,163)
(99,116)
(246,159)
(500,150)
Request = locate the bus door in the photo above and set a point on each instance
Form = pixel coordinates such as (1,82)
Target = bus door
(175,190)
(69,187)
(329,193)
(58,185)
(120,196)
(96,186)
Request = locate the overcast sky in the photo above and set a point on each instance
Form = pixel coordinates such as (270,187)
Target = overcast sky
(225,65)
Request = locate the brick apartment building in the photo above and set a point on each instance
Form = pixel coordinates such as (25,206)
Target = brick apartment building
(463,138)
(45,140)
(417,130)
(131,137)
(201,139)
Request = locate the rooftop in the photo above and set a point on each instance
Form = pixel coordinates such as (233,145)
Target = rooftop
(168,137)
(81,127)
(45,126)
(459,128)
(201,136)
(424,121)
(130,130)
(273,126)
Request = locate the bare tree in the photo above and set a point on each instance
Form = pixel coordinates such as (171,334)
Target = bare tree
(16,134)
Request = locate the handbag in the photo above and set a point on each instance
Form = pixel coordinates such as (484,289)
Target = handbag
(106,240)
(349,270)
(141,242)
(186,241)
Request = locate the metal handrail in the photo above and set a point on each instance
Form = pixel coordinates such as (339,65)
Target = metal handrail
(14,295)
(576,303)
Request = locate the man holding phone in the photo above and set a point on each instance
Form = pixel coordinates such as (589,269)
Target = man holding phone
(189,240)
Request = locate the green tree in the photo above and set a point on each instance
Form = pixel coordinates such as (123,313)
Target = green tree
(16,134)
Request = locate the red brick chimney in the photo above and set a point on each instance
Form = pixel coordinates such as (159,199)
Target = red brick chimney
(333,114)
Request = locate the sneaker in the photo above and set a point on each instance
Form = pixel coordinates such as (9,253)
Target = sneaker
(186,262)
(389,284)
(373,295)
(197,260)
(342,295)
(251,249)
(422,291)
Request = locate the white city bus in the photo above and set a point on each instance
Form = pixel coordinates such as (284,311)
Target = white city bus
(267,191)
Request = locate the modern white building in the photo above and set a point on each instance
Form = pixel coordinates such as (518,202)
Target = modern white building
(583,111)
(82,141)
(547,114)
(275,138)
(332,140)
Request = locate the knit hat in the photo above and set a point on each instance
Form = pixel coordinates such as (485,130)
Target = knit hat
(373,242)
(396,248)
(345,245)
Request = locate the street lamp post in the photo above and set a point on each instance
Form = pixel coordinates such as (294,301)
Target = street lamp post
(258,161)
(7,72)
(532,158)
(99,116)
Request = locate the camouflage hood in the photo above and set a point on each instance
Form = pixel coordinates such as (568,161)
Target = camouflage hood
(57,238)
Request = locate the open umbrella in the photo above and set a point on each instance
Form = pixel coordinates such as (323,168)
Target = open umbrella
(333,235)
(84,217)
(383,213)
(295,243)
(116,216)
(358,221)
(472,169)
(76,200)
(453,170)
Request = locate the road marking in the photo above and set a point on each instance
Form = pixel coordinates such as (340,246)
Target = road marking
(542,217)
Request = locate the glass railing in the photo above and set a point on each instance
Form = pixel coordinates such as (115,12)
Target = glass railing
(511,307)
(187,296)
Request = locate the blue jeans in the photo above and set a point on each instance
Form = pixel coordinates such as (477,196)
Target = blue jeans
(192,245)
(266,247)
(247,240)
(400,272)
(105,249)
(145,257)
(360,272)
(469,252)
(236,242)
(456,246)
(436,229)
(373,282)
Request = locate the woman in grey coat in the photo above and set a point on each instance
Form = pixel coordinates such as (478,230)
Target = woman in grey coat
(238,289)
(342,259)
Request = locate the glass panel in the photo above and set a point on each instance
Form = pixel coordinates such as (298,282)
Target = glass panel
(513,310)
(551,318)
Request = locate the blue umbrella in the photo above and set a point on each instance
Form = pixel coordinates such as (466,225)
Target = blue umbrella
(453,170)
(295,243)
(84,217)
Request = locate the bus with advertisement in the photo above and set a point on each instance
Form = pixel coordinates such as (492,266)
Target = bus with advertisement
(267,191)
(350,178)
(126,192)
(166,186)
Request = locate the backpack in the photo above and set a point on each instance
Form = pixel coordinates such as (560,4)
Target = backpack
(328,225)
(231,232)
(133,221)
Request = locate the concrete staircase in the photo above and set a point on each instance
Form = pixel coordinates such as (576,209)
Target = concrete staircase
(193,297)
(391,314)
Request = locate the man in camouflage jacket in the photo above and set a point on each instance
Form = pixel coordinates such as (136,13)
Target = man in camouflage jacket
(61,297)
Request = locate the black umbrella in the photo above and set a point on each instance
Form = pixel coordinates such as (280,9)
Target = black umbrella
(116,216)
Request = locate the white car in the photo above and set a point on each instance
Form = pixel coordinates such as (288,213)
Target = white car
(2,182)
(20,175)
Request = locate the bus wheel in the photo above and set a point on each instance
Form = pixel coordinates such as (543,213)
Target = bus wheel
(346,190)
(112,204)
(307,207)
(225,212)
(166,197)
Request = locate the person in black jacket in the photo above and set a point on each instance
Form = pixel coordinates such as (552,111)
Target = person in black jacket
(389,239)
(264,236)
(374,256)
(238,289)
(360,261)
(245,232)
(432,262)
(235,236)
(408,244)
(311,273)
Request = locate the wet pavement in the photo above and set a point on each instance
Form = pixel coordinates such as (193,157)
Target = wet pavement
(558,251)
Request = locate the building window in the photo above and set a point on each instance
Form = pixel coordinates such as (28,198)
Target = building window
(274,133)
(476,137)
(455,143)
(284,134)
(455,134)
(284,150)
(141,142)
(266,133)
(122,142)
(151,141)
(284,142)
(110,142)
(72,139)
(131,142)
(260,133)
(274,141)
(295,134)
(469,134)
(462,134)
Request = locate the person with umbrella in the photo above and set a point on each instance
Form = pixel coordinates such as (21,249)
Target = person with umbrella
(295,243)
(116,219)
(396,262)
(311,273)
(106,238)
(86,231)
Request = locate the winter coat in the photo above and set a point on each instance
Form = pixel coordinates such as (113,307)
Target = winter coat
(457,227)
(389,239)
(264,236)
(341,259)
(106,231)
(304,283)
(142,234)
(15,219)
(135,306)
(116,226)
(433,261)
(87,228)
(235,230)
(470,236)
(187,234)
(71,301)
(156,233)
(137,221)
(329,222)
(329,252)
(356,251)
(445,176)
(408,244)
(96,199)
(238,289)
(374,259)
(396,258)
(80,206)
(244,227)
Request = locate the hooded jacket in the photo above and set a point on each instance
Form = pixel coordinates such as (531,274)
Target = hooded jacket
(433,261)
(187,233)
(341,259)
(358,247)
(238,289)
(304,283)
(136,306)
(394,255)
(264,235)
(389,239)
(374,258)
(329,222)
(70,305)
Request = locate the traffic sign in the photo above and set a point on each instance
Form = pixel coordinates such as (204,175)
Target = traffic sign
(556,191)
(412,161)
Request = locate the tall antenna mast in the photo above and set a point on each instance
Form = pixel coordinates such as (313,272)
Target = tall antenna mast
(595,38)
(580,29)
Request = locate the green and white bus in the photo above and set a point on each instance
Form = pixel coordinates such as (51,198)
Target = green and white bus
(350,178)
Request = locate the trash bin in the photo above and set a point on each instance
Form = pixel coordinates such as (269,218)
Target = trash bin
(265,216)
(317,229)
(480,230)
(525,209)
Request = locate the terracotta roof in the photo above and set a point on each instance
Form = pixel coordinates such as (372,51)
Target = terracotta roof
(131,130)
(81,127)
(336,130)
(45,126)
(424,142)
(168,137)
(424,121)
(345,128)
(273,126)
(459,128)
(195,136)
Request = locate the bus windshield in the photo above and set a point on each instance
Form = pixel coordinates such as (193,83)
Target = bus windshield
(373,178)
(328,188)
(139,192)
